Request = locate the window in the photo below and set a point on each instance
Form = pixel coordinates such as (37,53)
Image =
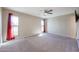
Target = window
(42,25)
(15,24)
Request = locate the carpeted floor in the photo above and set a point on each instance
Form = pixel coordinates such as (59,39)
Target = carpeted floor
(45,42)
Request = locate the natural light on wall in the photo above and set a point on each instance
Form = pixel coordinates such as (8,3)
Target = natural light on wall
(15,23)
(42,25)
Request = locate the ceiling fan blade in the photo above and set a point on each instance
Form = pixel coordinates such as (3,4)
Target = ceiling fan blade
(46,11)
(50,13)
(50,10)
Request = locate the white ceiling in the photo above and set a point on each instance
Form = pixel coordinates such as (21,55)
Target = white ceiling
(37,11)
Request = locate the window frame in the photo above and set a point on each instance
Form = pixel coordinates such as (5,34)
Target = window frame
(15,25)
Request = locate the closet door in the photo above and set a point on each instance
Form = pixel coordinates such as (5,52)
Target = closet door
(77,28)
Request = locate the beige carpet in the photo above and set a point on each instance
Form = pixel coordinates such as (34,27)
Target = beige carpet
(41,43)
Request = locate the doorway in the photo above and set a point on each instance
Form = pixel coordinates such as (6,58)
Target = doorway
(77,27)
(44,25)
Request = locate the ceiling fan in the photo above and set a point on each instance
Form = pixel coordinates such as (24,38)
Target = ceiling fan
(48,11)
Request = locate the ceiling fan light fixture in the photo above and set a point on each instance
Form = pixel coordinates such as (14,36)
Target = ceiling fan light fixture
(45,14)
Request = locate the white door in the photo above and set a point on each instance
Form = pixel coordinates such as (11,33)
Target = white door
(77,30)
(77,27)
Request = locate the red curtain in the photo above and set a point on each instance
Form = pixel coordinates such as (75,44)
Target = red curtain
(10,34)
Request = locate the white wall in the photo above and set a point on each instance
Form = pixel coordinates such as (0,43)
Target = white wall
(28,25)
(63,25)
(0,24)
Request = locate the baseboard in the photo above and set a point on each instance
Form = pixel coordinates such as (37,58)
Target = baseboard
(63,36)
(32,35)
